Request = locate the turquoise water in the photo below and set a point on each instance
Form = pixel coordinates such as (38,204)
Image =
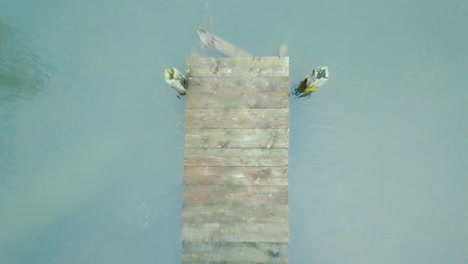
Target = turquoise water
(91,138)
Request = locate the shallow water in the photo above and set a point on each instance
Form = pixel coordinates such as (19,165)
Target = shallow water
(91,138)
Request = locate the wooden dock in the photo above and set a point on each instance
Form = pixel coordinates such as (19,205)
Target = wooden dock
(236,161)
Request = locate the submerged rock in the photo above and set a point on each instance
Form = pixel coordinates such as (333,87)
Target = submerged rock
(22,75)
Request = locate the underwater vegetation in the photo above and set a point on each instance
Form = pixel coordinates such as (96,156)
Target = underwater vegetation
(22,75)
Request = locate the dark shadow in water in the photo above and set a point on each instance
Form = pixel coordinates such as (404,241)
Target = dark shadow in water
(299,90)
(22,75)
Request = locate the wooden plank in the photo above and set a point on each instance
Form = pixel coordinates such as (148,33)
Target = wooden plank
(235,253)
(220,44)
(231,194)
(237,118)
(225,213)
(235,157)
(238,85)
(235,213)
(236,232)
(235,100)
(236,175)
(236,138)
(238,67)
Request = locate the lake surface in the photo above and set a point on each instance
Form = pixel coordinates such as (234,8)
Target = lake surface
(91,137)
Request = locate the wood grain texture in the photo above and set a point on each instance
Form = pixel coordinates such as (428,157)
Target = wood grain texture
(236,138)
(231,194)
(235,253)
(238,66)
(240,101)
(236,157)
(237,118)
(236,232)
(236,175)
(227,213)
(238,85)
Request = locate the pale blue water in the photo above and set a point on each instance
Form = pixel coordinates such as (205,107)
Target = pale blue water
(91,138)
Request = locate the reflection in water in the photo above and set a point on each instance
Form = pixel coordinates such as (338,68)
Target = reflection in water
(22,75)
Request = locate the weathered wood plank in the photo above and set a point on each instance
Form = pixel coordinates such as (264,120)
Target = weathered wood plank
(237,118)
(240,101)
(232,194)
(236,175)
(235,253)
(220,44)
(236,138)
(226,213)
(236,232)
(238,66)
(235,157)
(238,85)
